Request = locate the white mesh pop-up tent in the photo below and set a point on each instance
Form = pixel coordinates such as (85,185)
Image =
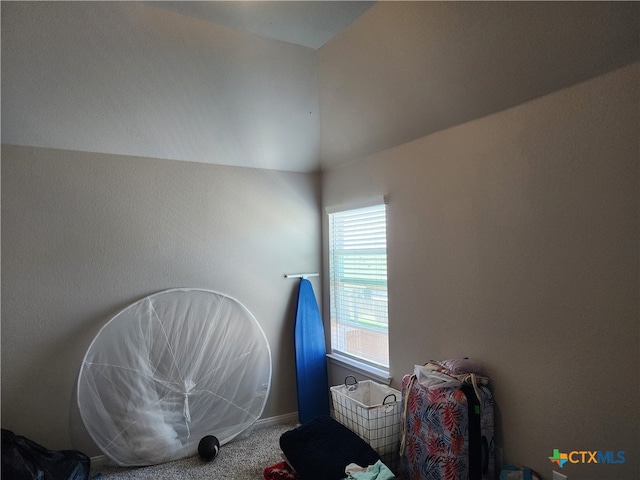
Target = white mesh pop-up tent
(170,369)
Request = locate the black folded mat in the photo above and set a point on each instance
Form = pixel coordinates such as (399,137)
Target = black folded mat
(322,448)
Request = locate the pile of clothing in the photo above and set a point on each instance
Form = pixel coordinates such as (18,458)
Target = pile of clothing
(324,449)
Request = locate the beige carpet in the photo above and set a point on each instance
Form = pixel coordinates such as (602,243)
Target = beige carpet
(244,458)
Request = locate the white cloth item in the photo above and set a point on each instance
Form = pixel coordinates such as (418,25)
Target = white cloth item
(378,471)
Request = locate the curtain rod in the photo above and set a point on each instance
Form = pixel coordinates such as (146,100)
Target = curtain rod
(302,275)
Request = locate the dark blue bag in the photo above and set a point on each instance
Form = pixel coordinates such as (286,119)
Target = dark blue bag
(23,459)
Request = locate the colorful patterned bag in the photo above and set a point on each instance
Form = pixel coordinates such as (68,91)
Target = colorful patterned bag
(447,426)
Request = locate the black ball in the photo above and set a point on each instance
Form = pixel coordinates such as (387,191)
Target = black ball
(208,448)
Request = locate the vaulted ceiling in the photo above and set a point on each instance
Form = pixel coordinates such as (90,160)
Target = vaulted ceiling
(307,23)
(297,86)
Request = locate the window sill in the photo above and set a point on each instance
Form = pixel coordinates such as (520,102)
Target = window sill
(377,374)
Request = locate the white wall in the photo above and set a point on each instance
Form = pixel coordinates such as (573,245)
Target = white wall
(85,234)
(404,70)
(130,79)
(513,240)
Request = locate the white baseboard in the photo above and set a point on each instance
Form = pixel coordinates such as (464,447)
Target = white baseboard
(277,420)
(103,460)
(100,461)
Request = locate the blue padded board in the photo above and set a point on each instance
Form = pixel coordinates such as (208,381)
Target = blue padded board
(311,362)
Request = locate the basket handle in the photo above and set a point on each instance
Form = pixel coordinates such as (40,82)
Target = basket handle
(351,386)
(390,395)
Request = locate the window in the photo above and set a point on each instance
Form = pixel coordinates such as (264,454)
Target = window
(358,284)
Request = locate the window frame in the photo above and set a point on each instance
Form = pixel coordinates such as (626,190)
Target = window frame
(378,371)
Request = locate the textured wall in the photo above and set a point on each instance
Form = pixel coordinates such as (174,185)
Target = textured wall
(84,235)
(404,70)
(513,240)
(130,79)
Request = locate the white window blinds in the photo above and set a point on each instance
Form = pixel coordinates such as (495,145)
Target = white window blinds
(358,284)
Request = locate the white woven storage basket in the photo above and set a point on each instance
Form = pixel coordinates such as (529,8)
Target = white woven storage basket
(373,411)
